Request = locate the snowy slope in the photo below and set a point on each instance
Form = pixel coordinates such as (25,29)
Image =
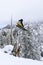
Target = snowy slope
(6,59)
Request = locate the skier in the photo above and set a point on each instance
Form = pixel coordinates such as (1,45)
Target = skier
(20,23)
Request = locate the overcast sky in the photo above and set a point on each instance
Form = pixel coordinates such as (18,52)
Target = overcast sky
(29,10)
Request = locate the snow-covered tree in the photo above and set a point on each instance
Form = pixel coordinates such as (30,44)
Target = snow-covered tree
(30,40)
(29,44)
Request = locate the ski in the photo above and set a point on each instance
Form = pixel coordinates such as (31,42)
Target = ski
(22,28)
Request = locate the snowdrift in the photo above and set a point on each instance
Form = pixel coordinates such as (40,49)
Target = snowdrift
(6,59)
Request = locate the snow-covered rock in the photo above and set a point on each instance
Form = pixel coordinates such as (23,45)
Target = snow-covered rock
(8,49)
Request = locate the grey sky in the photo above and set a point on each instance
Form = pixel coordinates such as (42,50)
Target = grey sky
(29,10)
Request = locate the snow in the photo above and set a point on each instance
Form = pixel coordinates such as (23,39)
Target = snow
(6,59)
(8,49)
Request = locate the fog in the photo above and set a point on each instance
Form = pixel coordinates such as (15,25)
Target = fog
(29,10)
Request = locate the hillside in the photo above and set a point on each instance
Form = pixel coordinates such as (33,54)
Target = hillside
(8,27)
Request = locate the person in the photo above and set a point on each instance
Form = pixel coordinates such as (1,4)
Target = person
(20,23)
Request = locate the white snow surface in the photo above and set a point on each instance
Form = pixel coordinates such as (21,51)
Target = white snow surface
(7,48)
(6,59)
